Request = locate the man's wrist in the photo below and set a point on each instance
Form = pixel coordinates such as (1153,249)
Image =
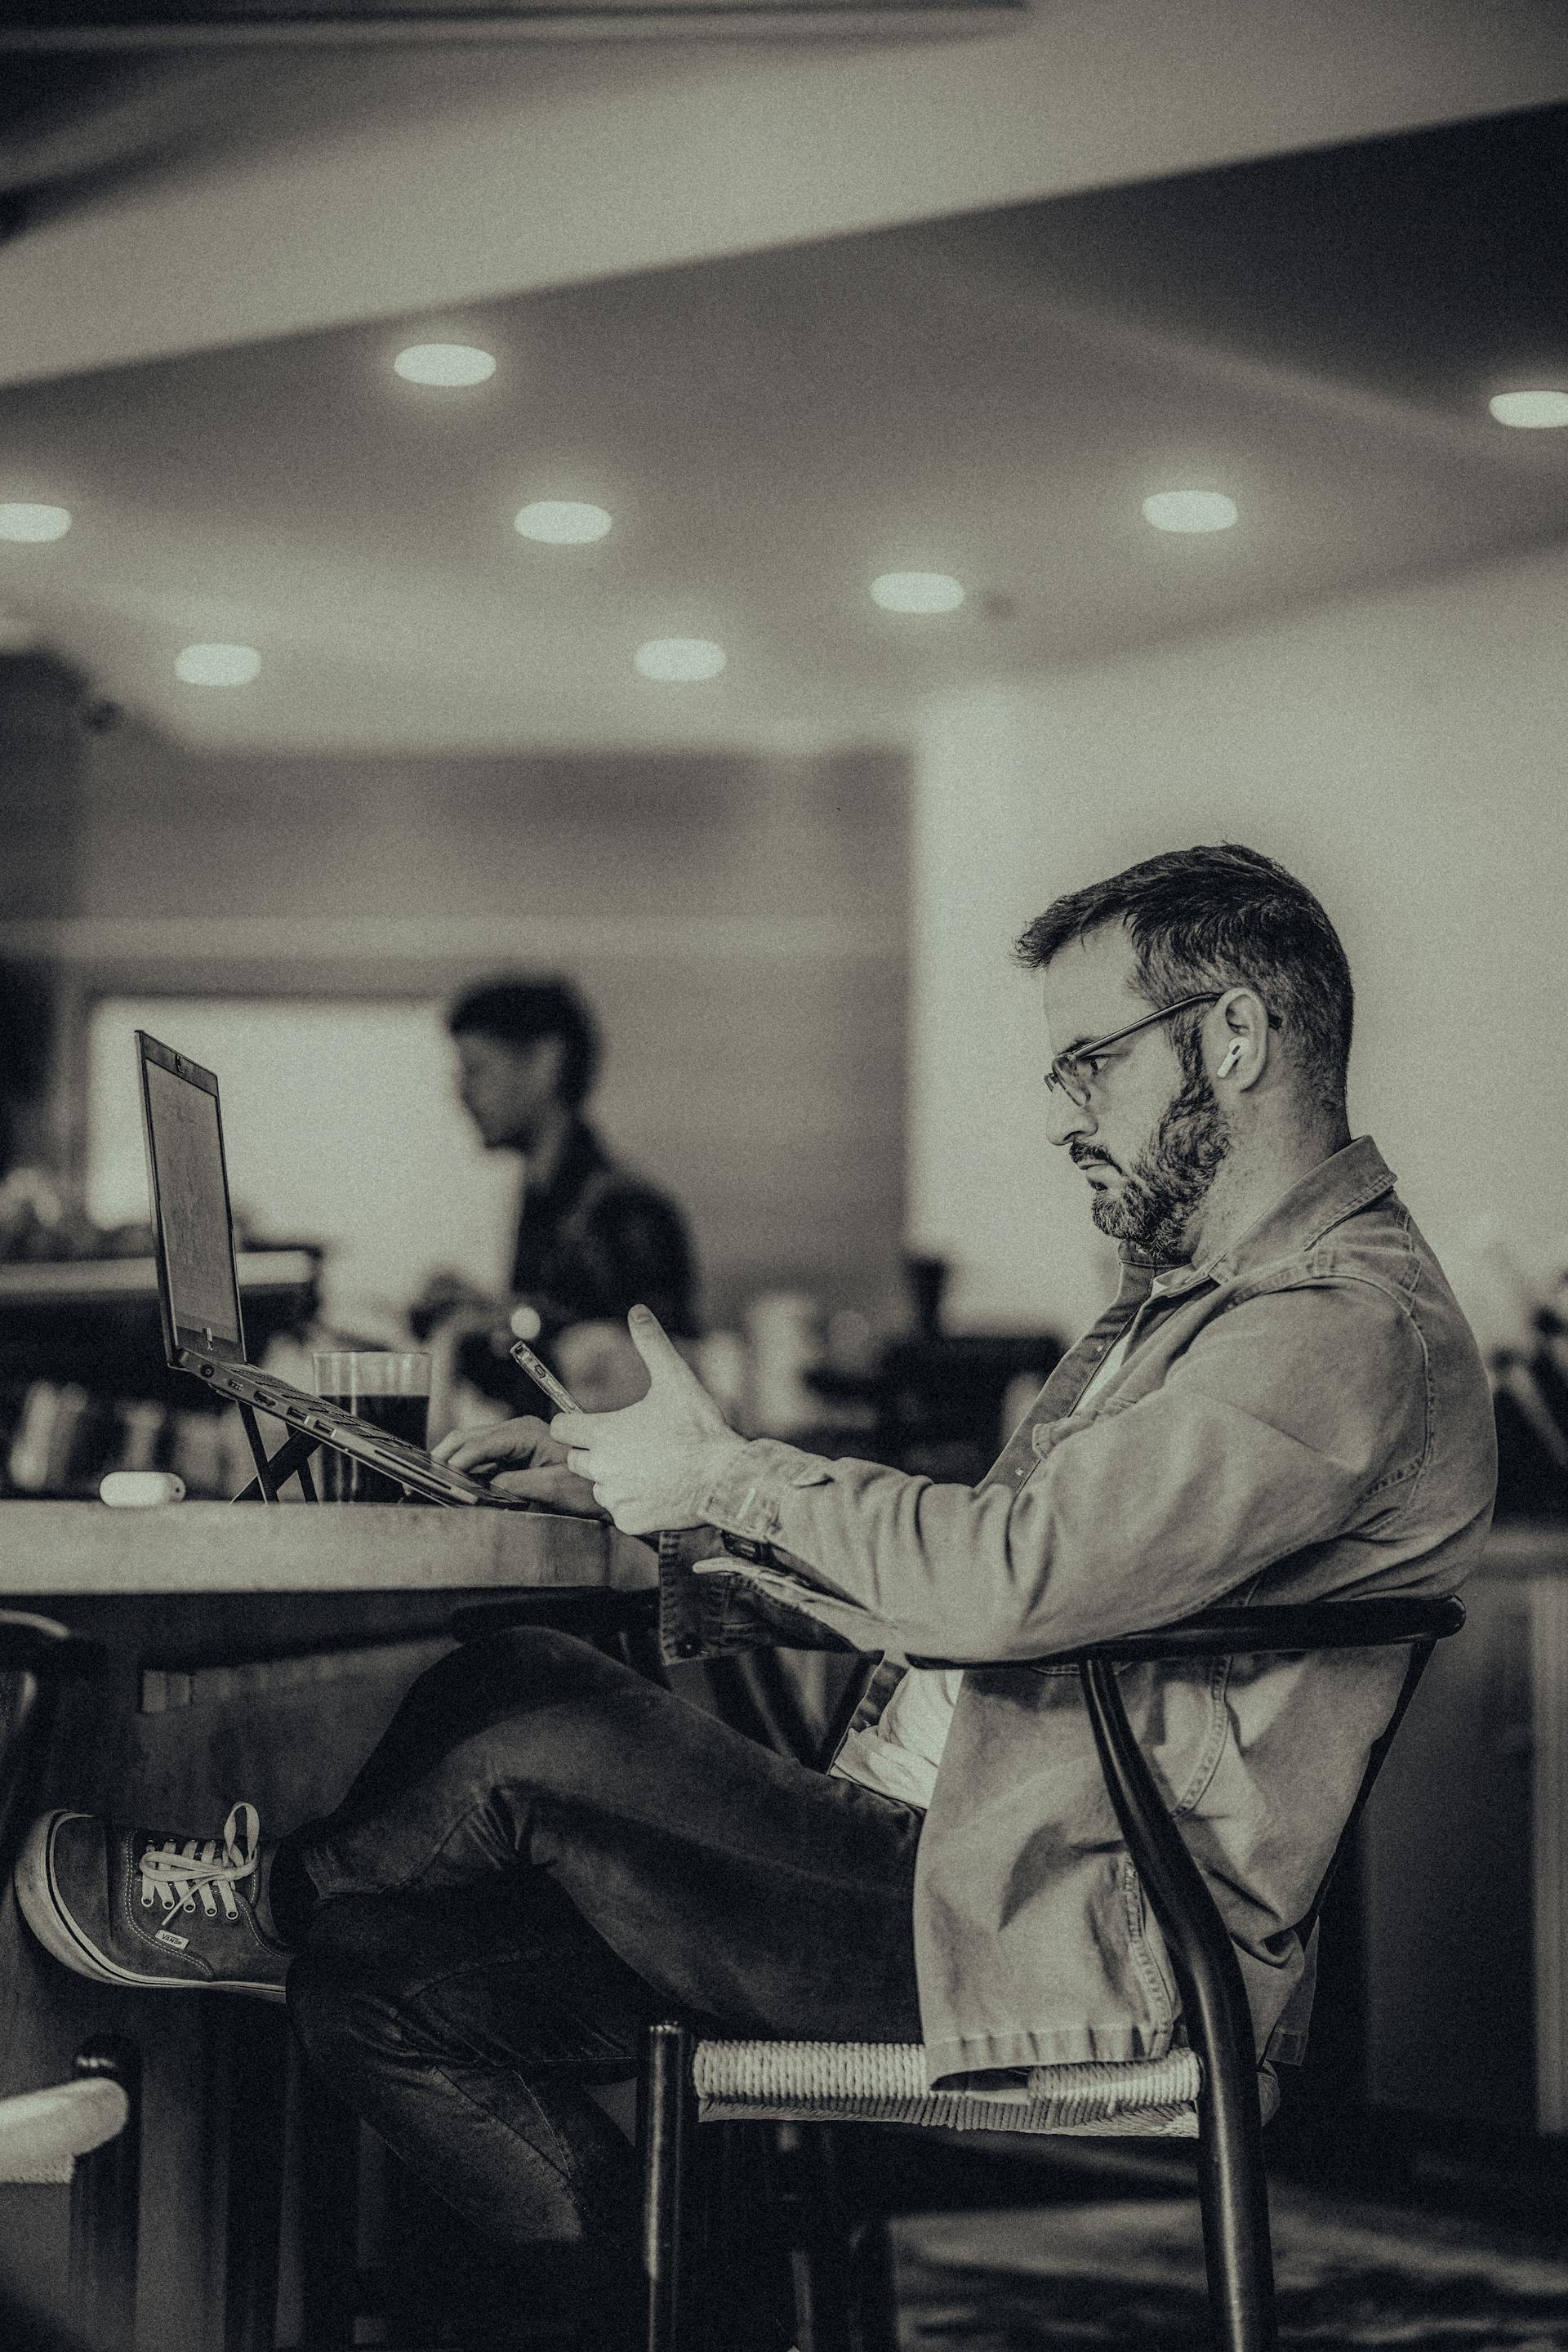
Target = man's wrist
(750,1482)
(719,1454)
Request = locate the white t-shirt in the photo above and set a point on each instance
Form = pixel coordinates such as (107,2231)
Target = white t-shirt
(898,1755)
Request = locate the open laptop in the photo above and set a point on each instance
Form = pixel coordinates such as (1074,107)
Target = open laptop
(198,1282)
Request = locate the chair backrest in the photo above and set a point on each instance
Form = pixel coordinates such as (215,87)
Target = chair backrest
(1420,1653)
(1202,1955)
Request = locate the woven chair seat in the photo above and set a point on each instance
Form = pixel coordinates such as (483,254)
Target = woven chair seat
(42,2133)
(885,2082)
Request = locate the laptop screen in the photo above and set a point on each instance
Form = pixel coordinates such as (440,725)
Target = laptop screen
(192,1193)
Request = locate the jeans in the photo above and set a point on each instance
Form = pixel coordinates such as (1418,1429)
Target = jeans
(544,1852)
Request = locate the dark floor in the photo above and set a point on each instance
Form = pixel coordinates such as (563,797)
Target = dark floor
(1128,2275)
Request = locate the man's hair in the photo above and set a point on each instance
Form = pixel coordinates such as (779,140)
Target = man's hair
(1213,917)
(519,1012)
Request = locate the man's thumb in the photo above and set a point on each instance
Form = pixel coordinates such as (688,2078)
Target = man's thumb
(654,1344)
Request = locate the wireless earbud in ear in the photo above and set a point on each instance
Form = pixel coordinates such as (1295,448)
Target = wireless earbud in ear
(1230,1061)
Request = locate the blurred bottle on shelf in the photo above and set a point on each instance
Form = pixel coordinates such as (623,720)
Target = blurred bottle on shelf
(786,1333)
(927,1279)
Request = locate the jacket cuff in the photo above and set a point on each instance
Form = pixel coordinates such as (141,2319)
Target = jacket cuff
(707,1612)
(747,1497)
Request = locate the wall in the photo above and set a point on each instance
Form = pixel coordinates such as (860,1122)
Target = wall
(1406,754)
(738,922)
(41,741)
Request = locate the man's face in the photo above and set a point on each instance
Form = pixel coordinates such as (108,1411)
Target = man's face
(1150,1143)
(507,1089)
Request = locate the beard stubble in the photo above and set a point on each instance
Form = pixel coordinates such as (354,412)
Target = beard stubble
(1170,1178)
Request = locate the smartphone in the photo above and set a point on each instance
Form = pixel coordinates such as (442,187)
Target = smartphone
(540,1374)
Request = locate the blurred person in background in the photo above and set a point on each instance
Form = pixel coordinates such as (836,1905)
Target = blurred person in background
(593,1239)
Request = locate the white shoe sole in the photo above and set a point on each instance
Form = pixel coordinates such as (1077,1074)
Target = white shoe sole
(54,1927)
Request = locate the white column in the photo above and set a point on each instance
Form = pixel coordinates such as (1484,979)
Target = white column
(986,1191)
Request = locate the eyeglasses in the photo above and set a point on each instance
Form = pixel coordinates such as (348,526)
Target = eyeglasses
(1071,1072)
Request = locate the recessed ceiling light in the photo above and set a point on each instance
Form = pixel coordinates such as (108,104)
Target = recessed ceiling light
(1189,510)
(1531,410)
(680,660)
(217,664)
(32,525)
(445,363)
(562,522)
(917,592)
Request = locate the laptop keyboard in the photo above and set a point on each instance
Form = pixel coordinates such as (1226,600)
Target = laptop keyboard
(400,1460)
(395,1452)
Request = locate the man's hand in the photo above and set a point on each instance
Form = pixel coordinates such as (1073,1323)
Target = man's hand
(520,1458)
(652,1464)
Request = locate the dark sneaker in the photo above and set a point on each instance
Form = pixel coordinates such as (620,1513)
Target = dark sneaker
(139,1907)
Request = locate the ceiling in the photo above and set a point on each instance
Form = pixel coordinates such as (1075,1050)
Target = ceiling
(774,415)
(196,197)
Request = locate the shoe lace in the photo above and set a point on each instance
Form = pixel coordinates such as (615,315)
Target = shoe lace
(181,1875)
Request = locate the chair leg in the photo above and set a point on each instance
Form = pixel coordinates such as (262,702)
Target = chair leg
(1232,2184)
(819,2257)
(1232,2192)
(257,2064)
(666,2118)
(876,2302)
(747,2296)
(105,2189)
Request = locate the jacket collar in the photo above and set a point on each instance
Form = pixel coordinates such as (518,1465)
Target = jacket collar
(1336,1189)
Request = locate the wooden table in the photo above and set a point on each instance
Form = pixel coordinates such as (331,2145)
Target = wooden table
(86,1548)
(255,1651)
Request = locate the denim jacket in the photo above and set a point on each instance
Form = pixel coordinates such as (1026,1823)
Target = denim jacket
(1306,1414)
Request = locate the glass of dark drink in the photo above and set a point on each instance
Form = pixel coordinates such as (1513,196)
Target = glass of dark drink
(389,1387)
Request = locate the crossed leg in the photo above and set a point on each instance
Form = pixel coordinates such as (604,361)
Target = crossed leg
(543,1851)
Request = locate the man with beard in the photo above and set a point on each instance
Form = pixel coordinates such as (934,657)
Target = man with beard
(1282,1402)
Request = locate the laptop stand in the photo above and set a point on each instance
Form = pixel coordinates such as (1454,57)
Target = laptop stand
(292,1460)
